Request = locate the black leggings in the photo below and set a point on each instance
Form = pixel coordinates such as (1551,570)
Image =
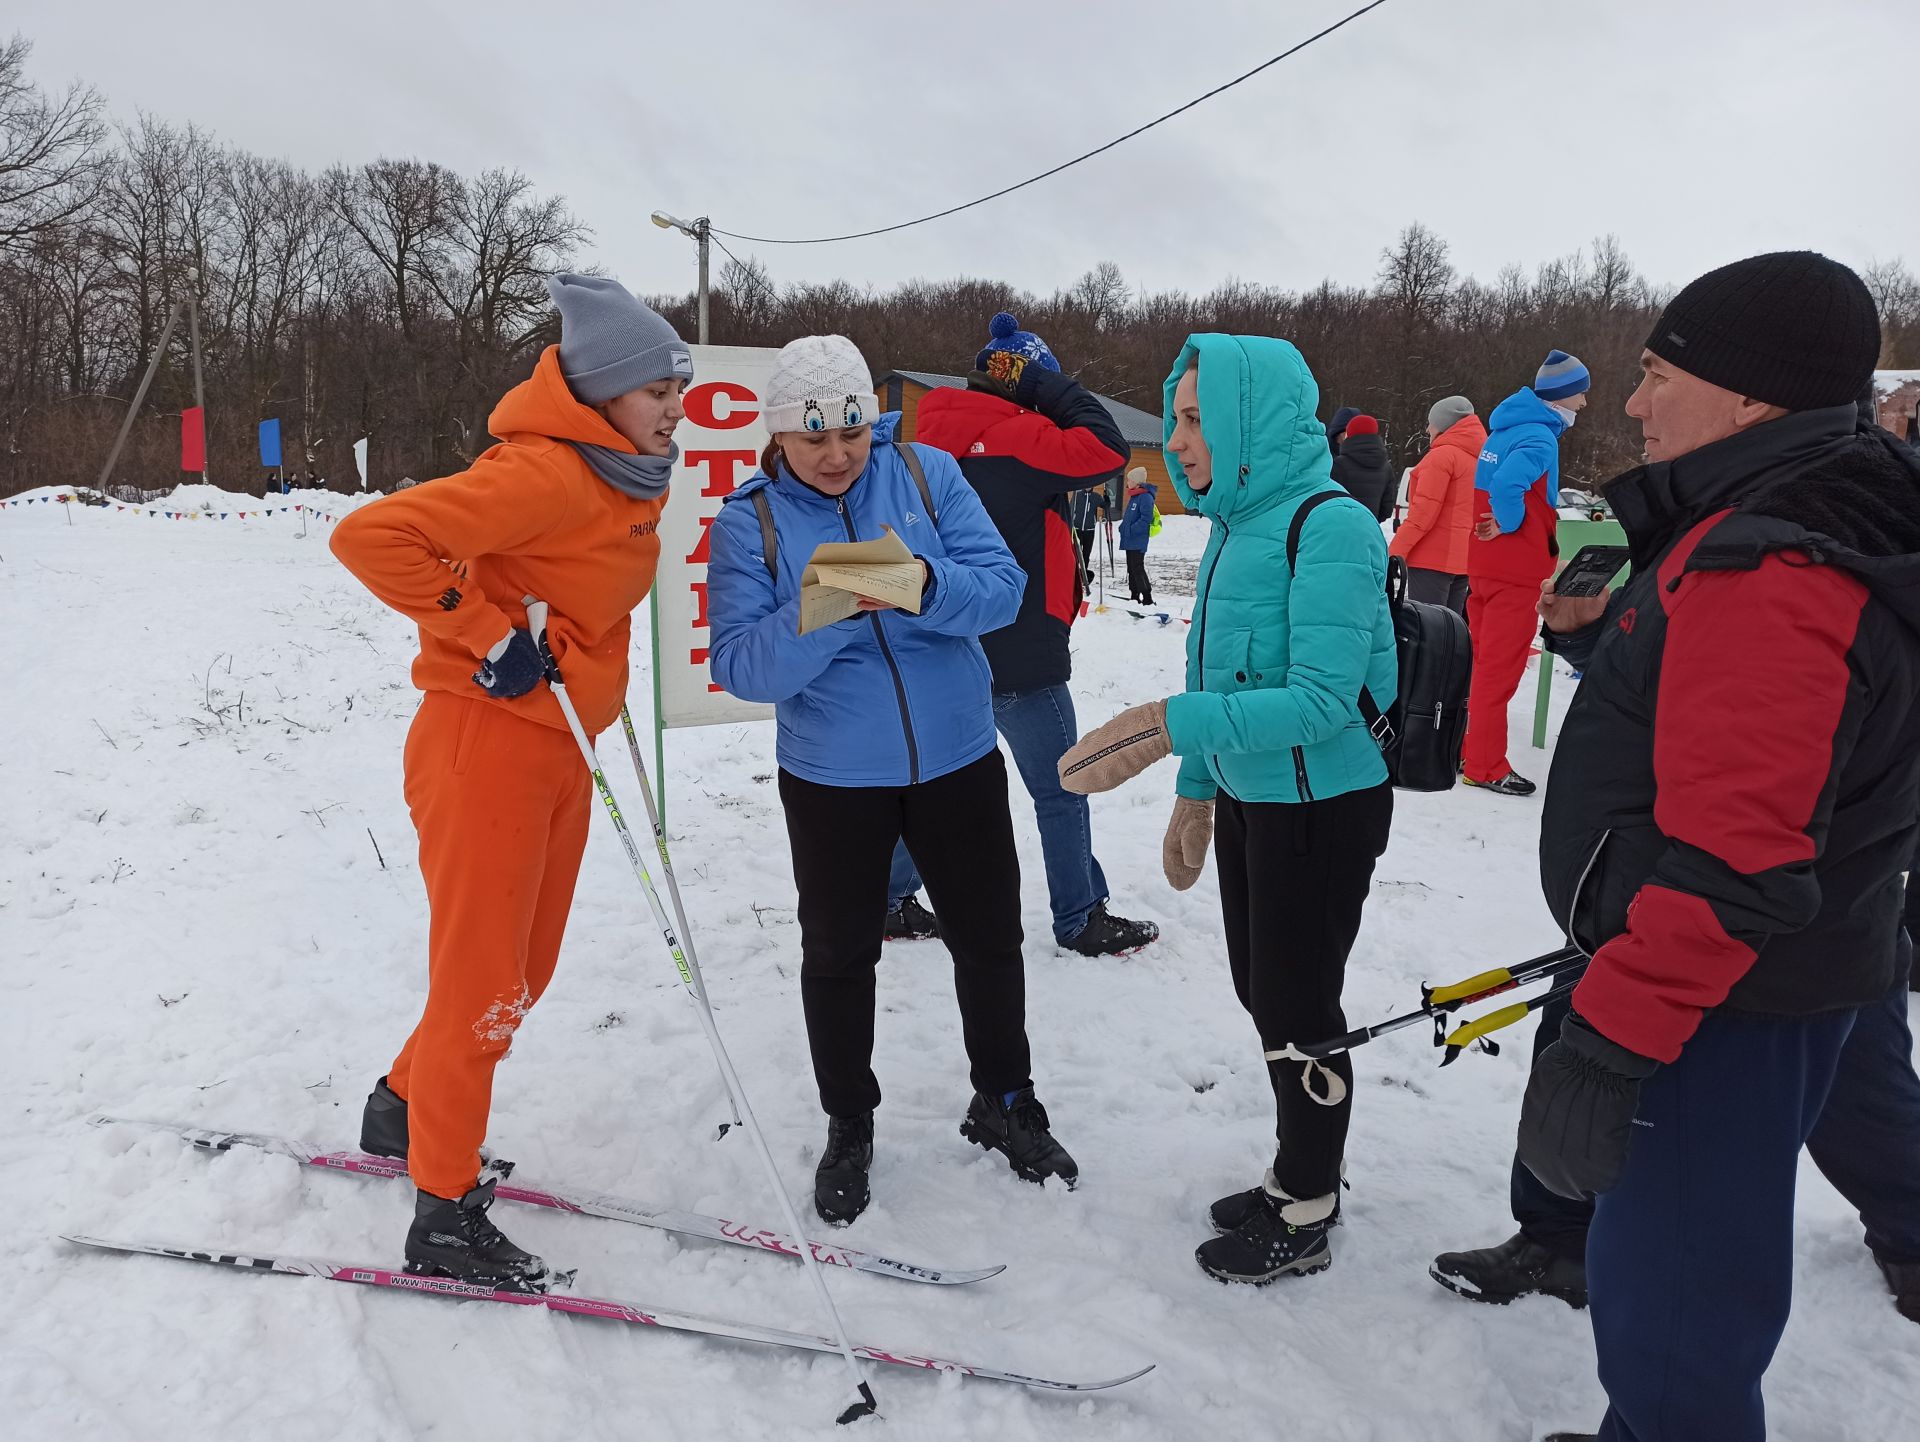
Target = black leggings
(1292,881)
(1139,588)
(961,835)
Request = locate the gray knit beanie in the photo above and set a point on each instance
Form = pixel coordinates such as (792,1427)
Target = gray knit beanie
(609,342)
(1448,413)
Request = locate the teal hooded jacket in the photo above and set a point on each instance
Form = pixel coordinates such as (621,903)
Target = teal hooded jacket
(1276,660)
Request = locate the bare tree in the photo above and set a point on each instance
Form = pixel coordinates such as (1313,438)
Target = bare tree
(51,163)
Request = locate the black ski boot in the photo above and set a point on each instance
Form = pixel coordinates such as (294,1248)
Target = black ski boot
(1518,1267)
(457,1239)
(910,921)
(1281,1237)
(1230,1213)
(1109,935)
(383,1125)
(840,1190)
(1019,1132)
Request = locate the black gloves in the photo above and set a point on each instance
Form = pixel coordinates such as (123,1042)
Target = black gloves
(516,671)
(1577,1119)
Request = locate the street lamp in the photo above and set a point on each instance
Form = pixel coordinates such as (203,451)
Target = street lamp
(699,230)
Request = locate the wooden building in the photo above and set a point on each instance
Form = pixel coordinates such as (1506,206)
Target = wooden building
(901,391)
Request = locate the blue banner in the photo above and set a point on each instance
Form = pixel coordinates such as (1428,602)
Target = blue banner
(270,443)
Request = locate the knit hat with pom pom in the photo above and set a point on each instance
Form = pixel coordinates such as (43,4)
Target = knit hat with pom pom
(1008,337)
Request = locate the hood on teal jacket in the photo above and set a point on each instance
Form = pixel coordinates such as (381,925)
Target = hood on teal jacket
(1276,660)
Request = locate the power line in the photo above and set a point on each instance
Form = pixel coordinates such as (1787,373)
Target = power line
(746,269)
(1064,165)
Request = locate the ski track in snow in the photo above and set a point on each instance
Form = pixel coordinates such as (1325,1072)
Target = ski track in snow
(203,723)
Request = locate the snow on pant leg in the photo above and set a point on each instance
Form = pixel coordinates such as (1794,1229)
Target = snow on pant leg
(499,804)
(1308,870)
(1690,1259)
(1038,727)
(903,878)
(1552,1221)
(842,838)
(1502,619)
(961,832)
(1867,1141)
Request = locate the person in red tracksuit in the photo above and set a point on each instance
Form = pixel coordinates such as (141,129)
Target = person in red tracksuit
(1517,490)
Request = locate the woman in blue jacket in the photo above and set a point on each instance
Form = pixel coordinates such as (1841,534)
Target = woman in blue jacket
(885,730)
(1136,528)
(1272,747)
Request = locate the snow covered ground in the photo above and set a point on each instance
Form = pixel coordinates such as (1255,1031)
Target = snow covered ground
(201,750)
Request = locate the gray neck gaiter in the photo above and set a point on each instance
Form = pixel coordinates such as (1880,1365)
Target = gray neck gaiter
(642,477)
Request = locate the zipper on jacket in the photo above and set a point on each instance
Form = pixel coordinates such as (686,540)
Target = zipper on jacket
(893,668)
(1200,605)
(1300,774)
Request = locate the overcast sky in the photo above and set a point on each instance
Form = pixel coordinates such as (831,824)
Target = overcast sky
(1696,130)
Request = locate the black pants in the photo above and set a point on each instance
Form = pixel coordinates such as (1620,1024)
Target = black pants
(1085,539)
(1292,881)
(1139,588)
(1437,588)
(961,835)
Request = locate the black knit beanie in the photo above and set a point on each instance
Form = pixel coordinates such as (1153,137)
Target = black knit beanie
(1790,328)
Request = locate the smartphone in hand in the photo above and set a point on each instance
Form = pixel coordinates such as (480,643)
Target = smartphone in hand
(1590,571)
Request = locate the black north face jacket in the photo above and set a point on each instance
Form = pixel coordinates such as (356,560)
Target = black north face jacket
(1736,790)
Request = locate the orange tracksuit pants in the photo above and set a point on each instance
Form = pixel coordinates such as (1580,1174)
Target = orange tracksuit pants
(501,804)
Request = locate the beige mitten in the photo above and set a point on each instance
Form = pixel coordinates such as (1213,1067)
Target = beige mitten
(1184,853)
(1117,751)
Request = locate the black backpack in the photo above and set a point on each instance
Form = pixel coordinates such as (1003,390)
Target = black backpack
(1421,733)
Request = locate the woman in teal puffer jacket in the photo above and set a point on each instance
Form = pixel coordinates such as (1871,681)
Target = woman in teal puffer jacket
(1272,745)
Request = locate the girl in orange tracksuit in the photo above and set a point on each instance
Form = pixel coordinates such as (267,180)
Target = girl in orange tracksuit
(565,508)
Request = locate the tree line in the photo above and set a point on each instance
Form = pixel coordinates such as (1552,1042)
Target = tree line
(397,300)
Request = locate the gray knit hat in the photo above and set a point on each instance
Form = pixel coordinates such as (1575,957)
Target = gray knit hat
(609,342)
(1448,412)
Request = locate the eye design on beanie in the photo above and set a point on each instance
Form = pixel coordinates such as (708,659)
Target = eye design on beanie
(812,418)
(851,414)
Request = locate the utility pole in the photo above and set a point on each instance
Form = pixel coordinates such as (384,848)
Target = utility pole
(126,425)
(199,390)
(701,233)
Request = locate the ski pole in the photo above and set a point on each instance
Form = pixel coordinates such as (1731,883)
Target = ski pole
(864,1404)
(1437,1001)
(673,886)
(1467,1033)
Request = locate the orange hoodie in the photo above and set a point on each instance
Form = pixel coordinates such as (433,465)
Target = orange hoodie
(529,517)
(1440,503)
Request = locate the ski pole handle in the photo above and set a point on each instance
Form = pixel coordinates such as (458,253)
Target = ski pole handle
(537,627)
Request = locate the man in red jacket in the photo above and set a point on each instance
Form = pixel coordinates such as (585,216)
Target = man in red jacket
(1730,816)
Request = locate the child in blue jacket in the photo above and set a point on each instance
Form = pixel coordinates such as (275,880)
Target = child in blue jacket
(885,730)
(1136,529)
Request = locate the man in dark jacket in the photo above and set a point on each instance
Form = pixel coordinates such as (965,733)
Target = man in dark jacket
(1363,468)
(1025,436)
(1732,806)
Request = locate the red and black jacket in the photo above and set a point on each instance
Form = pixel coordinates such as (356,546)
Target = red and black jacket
(1023,459)
(1736,790)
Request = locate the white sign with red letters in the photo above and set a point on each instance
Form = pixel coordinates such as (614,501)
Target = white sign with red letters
(720,444)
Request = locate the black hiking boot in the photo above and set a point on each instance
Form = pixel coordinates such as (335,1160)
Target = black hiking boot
(1230,1213)
(383,1125)
(1279,1238)
(1109,935)
(1019,1132)
(1903,1280)
(910,921)
(458,1239)
(840,1190)
(1518,1267)
(1512,784)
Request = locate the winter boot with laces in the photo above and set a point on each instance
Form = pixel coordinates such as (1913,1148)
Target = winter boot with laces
(458,1239)
(840,1190)
(1518,1267)
(1109,935)
(910,921)
(1230,1213)
(383,1125)
(1281,1237)
(1016,1127)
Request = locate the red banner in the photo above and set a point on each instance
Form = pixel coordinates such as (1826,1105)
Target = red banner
(193,439)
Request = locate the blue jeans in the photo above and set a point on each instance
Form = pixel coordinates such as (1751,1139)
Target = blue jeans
(1690,1257)
(1866,1142)
(1038,727)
